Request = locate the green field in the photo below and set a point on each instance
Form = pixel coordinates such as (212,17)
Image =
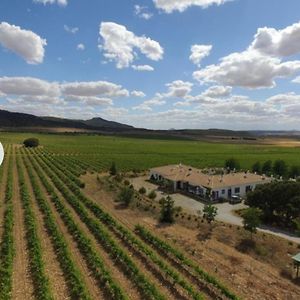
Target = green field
(131,153)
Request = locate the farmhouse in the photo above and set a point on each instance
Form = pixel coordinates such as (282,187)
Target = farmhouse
(212,186)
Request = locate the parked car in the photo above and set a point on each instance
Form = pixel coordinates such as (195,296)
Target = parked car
(235,199)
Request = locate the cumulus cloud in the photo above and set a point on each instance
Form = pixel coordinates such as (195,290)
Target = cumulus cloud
(260,64)
(94,89)
(142,68)
(28,86)
(169,6)
(218,91)
(142,12)
(280,43)
(284,99)
(24,91)
(198,52)
(178,89)
(209,96)
(81,47)
(147,105)
(89,100)
(72,30)
(59,2)
(119,45)
(138,94)
(249,69)
(24,43)
(296,80)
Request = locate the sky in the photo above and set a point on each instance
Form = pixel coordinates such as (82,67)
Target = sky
(161,64)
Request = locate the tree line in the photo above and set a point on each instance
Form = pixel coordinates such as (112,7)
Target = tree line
(277,168)
(279,202)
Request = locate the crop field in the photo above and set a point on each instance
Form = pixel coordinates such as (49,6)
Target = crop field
(58,243)
(98,152)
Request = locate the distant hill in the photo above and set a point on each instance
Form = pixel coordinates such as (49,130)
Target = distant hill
(12,121)
(18,120)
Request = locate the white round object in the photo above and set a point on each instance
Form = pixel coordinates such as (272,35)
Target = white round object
(1,153)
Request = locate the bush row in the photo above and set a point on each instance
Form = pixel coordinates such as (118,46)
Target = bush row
(94,261)
(71,272)
(7,244)
(64,169)
(128,236)
(168,249)
(37,266)
(117,254)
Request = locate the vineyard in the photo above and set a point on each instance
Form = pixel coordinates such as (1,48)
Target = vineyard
(57,243)
(96,152)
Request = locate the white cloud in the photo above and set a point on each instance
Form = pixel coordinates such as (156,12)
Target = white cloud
(27,90)
(260,64)
(210,96)
(138,94)
(169,6)
(80,47)
(296,80)
(90,100)
(217,91)
(280,43)
(59,2)
(248,69)
(284,99)
(142,12)
(21,86)
(198,52)
(72,30)
(114,112)
(178,89)
(93,89)
(23,42)
(141,68)
(119,45)
(157,100)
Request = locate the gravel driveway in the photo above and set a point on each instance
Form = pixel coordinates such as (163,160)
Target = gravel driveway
(225,210)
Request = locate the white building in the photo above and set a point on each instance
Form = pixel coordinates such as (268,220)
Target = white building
(194,181)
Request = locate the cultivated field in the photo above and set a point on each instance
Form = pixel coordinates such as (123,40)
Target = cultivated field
(62,236)
(98,152)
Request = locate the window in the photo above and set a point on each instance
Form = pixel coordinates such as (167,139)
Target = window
(223,192)
(248,188)
(237,190)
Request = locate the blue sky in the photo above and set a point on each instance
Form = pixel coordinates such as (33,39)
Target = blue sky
(132,61)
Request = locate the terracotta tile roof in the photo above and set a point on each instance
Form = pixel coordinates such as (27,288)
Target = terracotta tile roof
(196,177)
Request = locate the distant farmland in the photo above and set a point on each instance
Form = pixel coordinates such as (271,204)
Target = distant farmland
(98,152)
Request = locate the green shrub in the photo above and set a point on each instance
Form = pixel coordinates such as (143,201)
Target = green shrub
(142,191)
(31,142)
(152,195)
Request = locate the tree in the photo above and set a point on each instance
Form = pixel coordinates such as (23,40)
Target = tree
(126,195)
(294,172)
(31,142)
(152,195)
(142,191)
(267,167)
(296,224)
(280,167)
(256,168)
(251,219)
(113,169)
(209,213)
(232,164)
(167,210)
